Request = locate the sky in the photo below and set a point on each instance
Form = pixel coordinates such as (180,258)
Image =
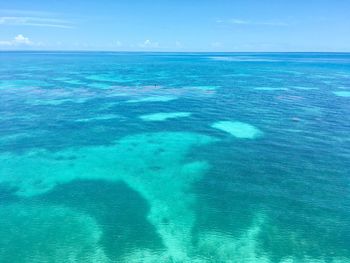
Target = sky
(176,25)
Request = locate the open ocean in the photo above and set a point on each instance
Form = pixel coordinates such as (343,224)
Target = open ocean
(174,157)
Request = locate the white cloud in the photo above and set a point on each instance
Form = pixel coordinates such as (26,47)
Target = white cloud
(5,43)
(26,12)
(34,21)
(239,21)
(216,44)
(149,44)
(178,44)
(18,40)
(236,21)
(119,43)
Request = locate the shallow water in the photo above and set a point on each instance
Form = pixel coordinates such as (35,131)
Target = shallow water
(141,157)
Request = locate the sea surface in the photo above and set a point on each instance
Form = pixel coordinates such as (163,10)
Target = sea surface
(174,157)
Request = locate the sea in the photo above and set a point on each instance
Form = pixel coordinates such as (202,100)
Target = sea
(174,157)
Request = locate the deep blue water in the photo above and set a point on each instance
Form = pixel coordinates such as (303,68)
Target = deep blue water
(174,157)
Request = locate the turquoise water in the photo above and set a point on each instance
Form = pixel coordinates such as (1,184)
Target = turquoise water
(141,157)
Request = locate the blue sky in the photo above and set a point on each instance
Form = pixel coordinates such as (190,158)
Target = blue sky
(176,25)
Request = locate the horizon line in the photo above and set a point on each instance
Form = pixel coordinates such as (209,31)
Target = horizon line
(149,51)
